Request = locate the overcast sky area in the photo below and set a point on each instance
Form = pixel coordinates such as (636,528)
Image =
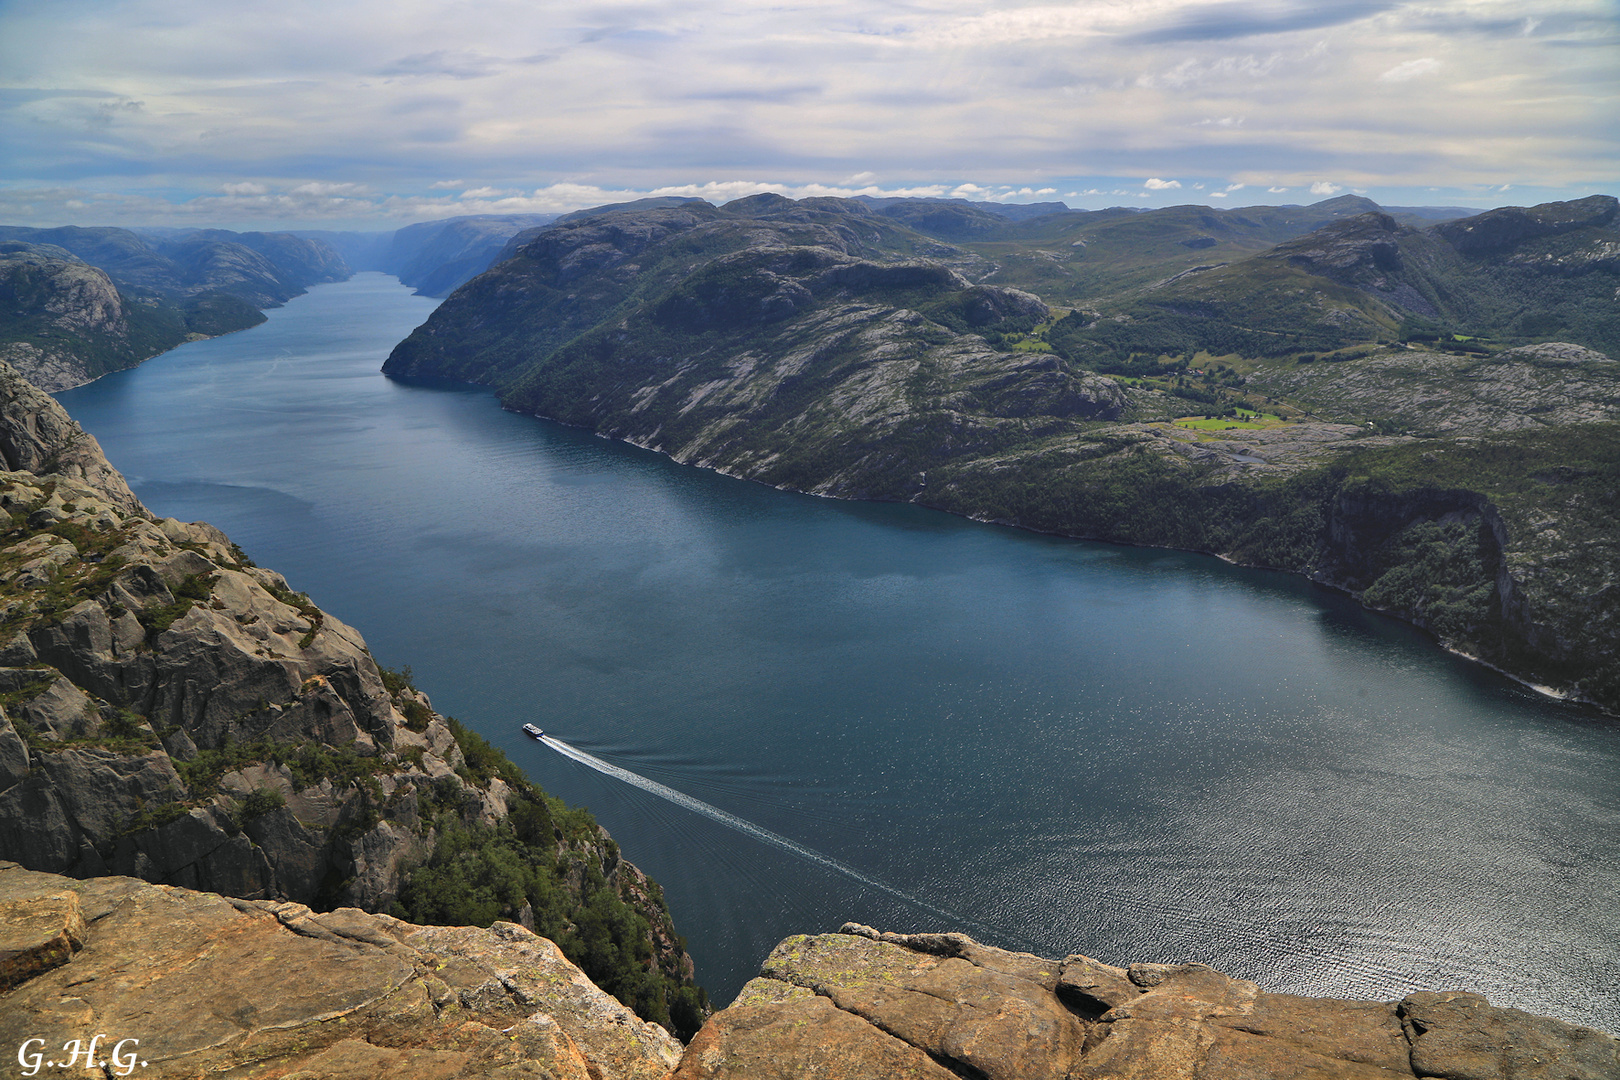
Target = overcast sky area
(370,114)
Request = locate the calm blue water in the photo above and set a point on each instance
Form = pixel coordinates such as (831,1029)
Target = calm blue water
(1055,745)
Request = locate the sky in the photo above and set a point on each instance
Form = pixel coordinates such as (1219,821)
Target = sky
(371,114)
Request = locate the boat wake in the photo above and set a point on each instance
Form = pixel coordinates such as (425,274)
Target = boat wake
(698,806)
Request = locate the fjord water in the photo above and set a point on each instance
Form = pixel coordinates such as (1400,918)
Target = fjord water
(1053,745)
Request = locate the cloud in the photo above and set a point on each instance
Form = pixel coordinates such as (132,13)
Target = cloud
(1276,190)
(1217,194)
(1221,70)
(326,188)
(1409,70)
(1322,187)
(1221,21)
(635,98)
(444,62)
(1153,183)
(244,188)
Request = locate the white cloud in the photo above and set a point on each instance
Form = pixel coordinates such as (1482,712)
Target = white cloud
(1410,70)
(1217,194)
(1153,183)
(447,185)
(1276,190)
(323,187)
(244,188)
(1322,187)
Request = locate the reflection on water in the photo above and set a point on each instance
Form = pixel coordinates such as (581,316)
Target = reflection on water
(1136,754)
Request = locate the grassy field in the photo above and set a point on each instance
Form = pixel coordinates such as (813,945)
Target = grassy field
(1246,420)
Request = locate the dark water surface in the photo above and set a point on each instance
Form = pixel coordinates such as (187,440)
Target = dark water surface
(1055,745)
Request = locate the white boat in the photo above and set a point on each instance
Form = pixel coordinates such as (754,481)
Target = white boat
(532,732)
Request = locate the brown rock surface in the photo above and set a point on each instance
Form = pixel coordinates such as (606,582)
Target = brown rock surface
(852,1004)
(213,986)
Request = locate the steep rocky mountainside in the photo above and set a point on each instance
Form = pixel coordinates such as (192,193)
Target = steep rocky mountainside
(186,984)
(172,712)
(55,313)
(805,345)
(77,303)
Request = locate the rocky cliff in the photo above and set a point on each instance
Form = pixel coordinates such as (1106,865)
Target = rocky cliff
(170,711)
(174,983)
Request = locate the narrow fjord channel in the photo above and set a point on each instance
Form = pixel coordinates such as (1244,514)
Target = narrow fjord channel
(1136,754)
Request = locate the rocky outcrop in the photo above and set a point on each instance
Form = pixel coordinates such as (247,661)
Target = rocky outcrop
(36,436)
(199,984)
(936,1006)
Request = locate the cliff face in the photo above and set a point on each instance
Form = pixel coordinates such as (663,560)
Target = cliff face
(171,712)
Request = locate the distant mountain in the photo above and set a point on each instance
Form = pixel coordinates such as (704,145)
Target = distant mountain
(434,257)
(76,303)
(265,269)
(1513,275)
(361,250)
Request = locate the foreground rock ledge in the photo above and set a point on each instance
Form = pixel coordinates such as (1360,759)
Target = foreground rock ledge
(861,1004)
(228,988)
(219,987)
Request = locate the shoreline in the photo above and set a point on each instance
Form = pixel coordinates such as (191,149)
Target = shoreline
(1553,693)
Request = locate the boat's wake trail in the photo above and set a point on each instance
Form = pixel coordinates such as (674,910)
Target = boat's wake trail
(698,806)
